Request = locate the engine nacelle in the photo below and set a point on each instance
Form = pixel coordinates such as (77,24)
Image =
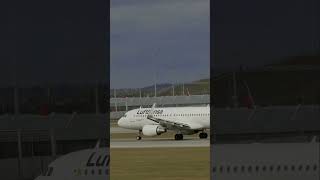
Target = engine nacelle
(153,130)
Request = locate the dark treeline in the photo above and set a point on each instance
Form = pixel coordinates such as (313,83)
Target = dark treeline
(58,99)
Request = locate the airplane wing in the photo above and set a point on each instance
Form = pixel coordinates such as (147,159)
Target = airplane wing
(166,123)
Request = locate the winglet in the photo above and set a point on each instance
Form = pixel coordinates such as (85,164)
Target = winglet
(98,144)
(153,106)
(152,110)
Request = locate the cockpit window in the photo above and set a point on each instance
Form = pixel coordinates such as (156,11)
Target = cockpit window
(125,115)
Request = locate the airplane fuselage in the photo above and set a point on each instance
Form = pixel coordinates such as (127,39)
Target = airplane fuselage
(198,117)
(265,161)
(84,164)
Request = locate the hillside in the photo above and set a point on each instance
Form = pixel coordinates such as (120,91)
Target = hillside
(293,81)
(193,88)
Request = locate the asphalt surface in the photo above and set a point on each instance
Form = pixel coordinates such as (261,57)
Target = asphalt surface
(159,142)
(114,130)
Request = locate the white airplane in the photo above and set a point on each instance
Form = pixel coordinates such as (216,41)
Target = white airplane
(155,121)
(80,165)
(265,161)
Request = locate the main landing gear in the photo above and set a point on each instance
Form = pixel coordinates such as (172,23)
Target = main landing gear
(203,135)
(178,137)
(139,136)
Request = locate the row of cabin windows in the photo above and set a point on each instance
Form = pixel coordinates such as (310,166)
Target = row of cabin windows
(166,115)
(264,168)
(91,172)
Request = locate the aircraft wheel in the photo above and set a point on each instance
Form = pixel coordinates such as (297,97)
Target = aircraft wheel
(178,137)
(203,135)
(138,138)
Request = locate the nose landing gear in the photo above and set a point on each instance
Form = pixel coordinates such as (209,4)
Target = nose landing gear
(138,138)
(139,135)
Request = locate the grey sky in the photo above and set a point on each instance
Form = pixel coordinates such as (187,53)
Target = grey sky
(166,39)
(48,43)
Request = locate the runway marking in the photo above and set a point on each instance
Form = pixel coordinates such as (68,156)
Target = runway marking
(158,143)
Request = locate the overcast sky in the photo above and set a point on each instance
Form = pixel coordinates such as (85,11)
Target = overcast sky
(255,33)
(162,40)
(50,42)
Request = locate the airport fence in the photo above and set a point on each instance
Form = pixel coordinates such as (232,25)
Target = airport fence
(125,104)
(272,119)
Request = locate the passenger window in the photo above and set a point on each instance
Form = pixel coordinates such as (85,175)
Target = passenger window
(242,168)
(214,169)
(235,169)
(271,168)
(315,167)
(292,168)
(228,168)
(257,168)
(221,169)
(264,168)
(278,168)
(285,168)
(249,168)
(300,168)
(307,167)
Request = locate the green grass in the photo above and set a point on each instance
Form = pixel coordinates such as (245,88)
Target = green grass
(160,164)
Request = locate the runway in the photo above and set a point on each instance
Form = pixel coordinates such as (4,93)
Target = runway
(159,143)
(114,130)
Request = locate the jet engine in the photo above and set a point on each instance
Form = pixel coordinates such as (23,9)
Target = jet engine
(153,130)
